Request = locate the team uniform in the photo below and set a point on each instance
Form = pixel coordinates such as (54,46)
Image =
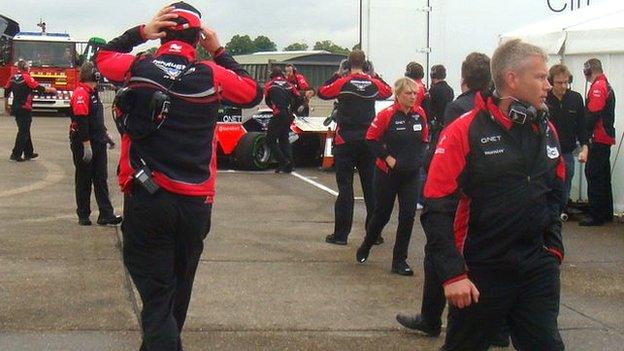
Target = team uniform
(163,231)
(87,125)
(600,117)
(493,199)
(404,137)
(22,86)
(280,96)
(356,94)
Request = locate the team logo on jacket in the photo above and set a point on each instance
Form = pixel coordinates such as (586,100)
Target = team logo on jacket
(417,127)
(175,48)
(361,85)
(552,152)
(173,70)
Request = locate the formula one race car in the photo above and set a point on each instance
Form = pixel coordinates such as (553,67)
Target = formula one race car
(242,140)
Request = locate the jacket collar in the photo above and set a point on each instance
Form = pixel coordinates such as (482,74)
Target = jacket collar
(177,48)
(85,87)
(496,113)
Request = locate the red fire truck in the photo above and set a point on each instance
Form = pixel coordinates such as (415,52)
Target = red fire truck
(52,57)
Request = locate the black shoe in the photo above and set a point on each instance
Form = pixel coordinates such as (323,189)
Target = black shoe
(402,268)
(416,322)
(590,222)
(16,158)
(331,238)
(114,220)
(362,254)
(31,157)
(84,221)
(288,168)
(379,241)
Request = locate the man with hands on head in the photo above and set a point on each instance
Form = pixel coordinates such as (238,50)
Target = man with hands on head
(167,168)
(491,216)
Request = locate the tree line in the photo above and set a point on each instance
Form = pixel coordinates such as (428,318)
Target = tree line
(243,44)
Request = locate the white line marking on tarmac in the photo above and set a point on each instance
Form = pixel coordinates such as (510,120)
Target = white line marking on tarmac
(316,184)
(54,175)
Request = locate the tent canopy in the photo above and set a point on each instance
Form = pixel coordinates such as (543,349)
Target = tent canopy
(589,30)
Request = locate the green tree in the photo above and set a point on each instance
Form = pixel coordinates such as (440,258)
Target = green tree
(241,45)
(296,47)
(151,50)
(263,43)
(201,53)
(331,47)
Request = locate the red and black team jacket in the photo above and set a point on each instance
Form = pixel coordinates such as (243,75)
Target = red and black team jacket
(87,115)
(182,152)
(22,86)
(601,111)
(488,207)
(280,96)
(356,94)
(400,135)
(298,80)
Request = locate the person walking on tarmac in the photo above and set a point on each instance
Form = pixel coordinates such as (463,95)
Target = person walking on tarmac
(167,112)
(491,216)
(356,92)
(88,139)
(567,113)
(280,96)
(397,136)
(600,117)
(22,86)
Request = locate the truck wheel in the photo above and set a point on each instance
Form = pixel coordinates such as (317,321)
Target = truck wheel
(252,152)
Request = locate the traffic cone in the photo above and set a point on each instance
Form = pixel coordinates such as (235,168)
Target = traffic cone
(328,157)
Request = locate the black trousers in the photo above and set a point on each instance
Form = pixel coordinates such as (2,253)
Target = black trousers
(387,188)
(94,173)
(347,157)
(277,139)
(163,240)
(527,298)
(23,142)
(599,192)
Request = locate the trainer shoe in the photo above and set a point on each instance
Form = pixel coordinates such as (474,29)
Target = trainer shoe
(84,221)
(362,253)
(31,157)
(415,322)
(16,158)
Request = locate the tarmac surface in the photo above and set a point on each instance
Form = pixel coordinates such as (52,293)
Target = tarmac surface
(266,281)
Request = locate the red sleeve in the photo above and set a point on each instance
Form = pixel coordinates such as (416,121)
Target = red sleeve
(114,65)
(80,102)
(239,90)
(30,81)
(385,91)
(332,89)
(449,159)
(302,82)
(425,132)
(380,124)
(294,91)
(597,98)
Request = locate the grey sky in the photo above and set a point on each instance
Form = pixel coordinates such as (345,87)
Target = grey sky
(284,21)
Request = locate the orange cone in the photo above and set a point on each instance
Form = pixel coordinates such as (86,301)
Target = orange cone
(328,157)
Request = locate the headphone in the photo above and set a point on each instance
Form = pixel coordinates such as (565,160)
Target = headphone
(521,112)
(587,70)
(95,75)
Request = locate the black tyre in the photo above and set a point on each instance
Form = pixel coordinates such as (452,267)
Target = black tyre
(252,152)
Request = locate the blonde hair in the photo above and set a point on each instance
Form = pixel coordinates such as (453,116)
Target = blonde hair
(403,83)
(511,56)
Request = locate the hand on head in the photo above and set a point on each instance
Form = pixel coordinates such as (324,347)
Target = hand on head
(154,29)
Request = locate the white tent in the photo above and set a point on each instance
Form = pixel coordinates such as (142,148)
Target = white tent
(572,39)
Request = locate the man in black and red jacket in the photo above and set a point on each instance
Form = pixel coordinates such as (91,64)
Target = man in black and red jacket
(168,157)
(356,93)
(88,139)
(491,216)
(600,116)
(280,96)
(22,85)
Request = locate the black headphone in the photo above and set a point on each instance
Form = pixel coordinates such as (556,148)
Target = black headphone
(95,75)
(587,70)
(520,113)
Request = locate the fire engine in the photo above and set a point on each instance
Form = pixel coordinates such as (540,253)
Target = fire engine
(52,57)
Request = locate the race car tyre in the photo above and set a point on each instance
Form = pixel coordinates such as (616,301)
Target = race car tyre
(252,152)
